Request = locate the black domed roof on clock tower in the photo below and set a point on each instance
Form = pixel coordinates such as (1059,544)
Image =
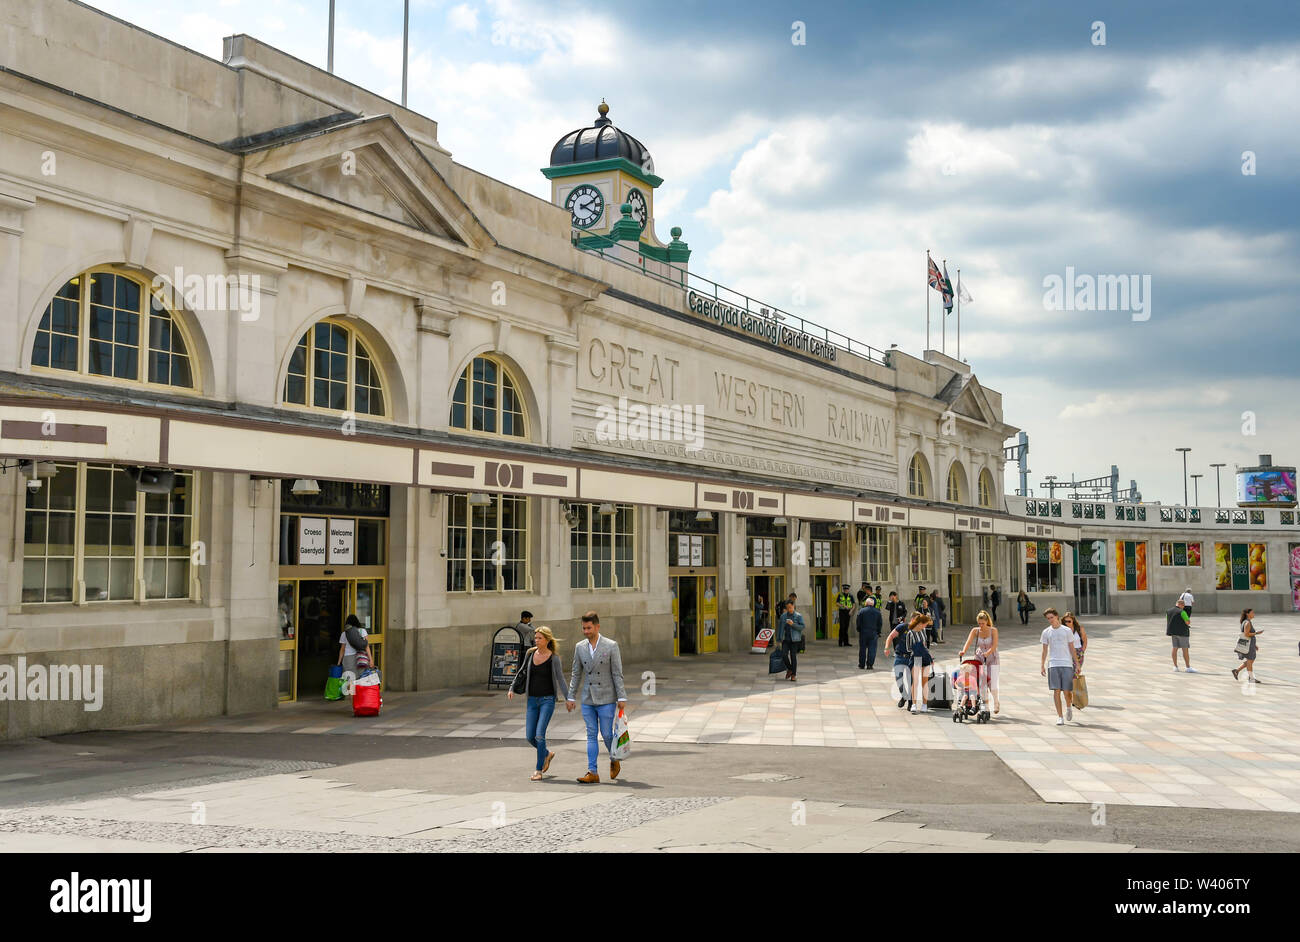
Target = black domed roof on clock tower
(601,141)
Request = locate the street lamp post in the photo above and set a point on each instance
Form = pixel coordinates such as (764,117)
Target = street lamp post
(1196,489)
(1218,495)
(1184,451)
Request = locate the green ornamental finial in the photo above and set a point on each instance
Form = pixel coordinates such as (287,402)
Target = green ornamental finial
(676,232)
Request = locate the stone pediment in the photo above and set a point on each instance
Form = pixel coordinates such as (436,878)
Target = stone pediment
(971,403)
(370,165)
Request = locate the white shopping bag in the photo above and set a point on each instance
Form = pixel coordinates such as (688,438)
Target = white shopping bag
(622,738)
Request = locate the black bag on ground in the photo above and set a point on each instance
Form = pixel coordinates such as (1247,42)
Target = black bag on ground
(356,639)
(775,660)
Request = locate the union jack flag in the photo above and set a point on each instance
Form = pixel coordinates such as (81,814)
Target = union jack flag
(939,282)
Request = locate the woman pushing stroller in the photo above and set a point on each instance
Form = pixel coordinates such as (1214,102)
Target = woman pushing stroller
(983,643)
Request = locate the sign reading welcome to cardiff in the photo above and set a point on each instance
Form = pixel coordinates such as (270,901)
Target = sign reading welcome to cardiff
(767,328)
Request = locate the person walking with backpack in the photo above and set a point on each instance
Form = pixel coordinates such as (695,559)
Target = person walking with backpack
(597,677)
(542,680)
(921,659)
(1024,606)
(902,663)
(868,625)
(844,611)
(995,599)
(352,642)
(1248,632)
(1179,630)
(789,631)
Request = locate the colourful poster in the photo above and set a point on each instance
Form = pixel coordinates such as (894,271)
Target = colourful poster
(1258,566)
(709,616)
(1193,554)
(1274,488)
(1295,576)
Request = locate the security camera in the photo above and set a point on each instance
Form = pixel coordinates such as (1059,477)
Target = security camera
(34,484)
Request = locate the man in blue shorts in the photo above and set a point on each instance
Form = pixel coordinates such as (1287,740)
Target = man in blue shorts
(1058,663)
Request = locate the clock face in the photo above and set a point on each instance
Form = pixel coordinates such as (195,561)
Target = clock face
(585,205)
(640,212)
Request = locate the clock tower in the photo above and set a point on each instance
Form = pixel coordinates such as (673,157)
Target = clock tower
(605,179)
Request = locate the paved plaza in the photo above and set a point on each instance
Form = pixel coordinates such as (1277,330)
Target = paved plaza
(1150,736)
(726,758)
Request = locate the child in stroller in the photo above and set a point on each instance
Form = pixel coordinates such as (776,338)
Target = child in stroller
(968,682)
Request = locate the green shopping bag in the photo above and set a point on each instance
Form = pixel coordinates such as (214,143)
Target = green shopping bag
(334,686)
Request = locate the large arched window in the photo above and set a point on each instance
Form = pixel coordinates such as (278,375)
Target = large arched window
(956,491)
(918,477)
(986,488)
(332,369)
(110,323)
(487,400)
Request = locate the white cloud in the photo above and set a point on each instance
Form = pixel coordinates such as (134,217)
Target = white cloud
(463,18)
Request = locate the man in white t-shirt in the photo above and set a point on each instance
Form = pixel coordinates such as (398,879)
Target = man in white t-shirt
(1059,662)
(1187,600)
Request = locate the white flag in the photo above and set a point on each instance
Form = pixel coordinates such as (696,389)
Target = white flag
(963,293)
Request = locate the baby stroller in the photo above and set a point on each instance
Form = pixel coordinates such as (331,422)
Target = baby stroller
(968,681)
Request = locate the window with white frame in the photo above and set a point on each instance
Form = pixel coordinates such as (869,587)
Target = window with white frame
(984,547)
(918,556)
(487,545)
(89,526)
(109,323)
(487,399)
(602,547)
(877,565)
(918,477)
(331,368)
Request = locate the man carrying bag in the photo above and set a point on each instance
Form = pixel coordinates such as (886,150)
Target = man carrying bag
(790,629)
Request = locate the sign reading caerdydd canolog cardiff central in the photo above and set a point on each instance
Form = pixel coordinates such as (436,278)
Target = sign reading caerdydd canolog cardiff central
(766,328)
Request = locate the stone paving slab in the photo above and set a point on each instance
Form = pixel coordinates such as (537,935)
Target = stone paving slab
(1150,736)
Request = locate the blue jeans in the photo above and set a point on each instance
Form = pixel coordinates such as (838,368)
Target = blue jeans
(602,714)
(539,717)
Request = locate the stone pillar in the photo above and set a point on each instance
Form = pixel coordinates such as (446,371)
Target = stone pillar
(252,349)
(561,377)
(14,204)
(432,408)
(245,514)
(734,602)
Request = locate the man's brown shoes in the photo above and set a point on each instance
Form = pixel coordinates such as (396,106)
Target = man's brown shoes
(614,767)
(591,778)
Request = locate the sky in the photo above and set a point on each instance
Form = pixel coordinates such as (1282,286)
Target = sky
(813,152)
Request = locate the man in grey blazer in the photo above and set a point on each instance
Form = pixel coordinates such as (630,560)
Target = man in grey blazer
(598,665)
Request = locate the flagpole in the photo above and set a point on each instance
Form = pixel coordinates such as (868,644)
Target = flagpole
(959,314)
(927,299)
(406,35)
(330,65)
(944,334)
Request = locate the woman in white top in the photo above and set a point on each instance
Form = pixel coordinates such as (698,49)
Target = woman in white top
(985,639)
(1248,630)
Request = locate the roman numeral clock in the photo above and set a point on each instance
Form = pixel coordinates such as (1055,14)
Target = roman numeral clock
(605,180)
(585,205)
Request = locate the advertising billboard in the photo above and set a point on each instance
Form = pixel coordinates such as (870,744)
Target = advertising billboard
(1272,487)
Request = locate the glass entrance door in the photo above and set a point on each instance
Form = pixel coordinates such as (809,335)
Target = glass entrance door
(1090,595)
(956,613)
(823,595)
(687,590)
(311,614)
(771,589)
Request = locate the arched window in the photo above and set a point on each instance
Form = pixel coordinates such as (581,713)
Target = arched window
(986,488)
(332,369)
(956,492)
(487,399)
(918,477)
(109,323)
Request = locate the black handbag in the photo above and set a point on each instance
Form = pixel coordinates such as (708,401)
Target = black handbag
(775,660)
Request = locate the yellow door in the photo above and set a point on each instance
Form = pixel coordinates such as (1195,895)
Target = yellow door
(368,606)
(708,614)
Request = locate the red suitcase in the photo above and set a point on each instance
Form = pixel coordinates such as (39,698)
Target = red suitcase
(366,700)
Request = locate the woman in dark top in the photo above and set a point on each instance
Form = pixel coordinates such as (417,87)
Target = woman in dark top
(1248,630)
(542,678)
